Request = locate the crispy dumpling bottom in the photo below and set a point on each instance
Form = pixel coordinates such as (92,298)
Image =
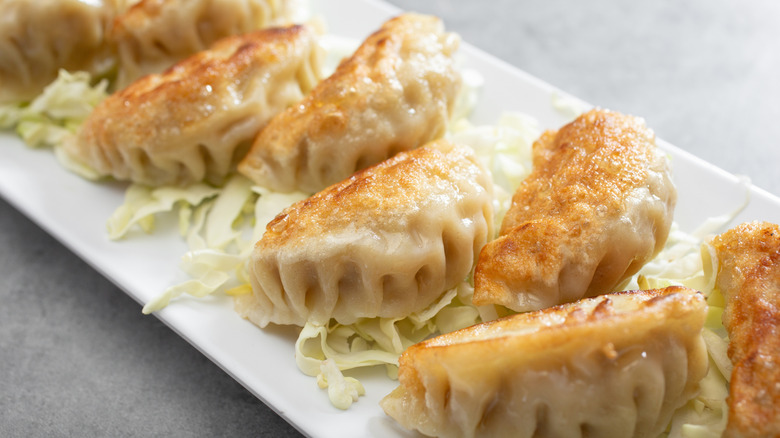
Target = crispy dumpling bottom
(616,365)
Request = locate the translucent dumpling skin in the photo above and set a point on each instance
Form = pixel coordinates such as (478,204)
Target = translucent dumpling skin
(386,242)
(196,120)
(749,278)
(597,206)
(612,366)
(395,93)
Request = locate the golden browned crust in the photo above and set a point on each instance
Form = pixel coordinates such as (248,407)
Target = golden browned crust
(185,83)
(394,93)
(392,189)
(749,278)
(536,332)
(196,119)
(596,207)
(385,242)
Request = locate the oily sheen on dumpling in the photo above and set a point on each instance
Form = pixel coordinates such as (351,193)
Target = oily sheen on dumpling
(597,206)
(154,34)
(40,37)
(395,93)
(748,276)
(612,366)
(197,119)
(386,242)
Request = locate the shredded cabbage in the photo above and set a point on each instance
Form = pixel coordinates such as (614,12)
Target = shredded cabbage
(342,391)
(568,106)
(336,48)
(505,149)
(142,203)
(220,231)
(55,115)
(57,112)
(688,260)
(380,341)
(471,85)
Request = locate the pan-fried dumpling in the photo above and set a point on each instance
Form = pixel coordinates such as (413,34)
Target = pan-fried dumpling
(597,206)
(40,37)
(611,366)
(386,242)
(197,119)
(749,278)
(395,93)
(154,34)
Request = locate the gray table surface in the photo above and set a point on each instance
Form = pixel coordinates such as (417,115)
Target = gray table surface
(77,357)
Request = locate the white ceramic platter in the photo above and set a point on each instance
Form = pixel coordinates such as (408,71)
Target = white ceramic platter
(74,211)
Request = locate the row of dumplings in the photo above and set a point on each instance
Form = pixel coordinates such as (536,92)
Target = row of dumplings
(257,102)
(125,39)
(400,213)
(615,365)
(578,360)
(389,239)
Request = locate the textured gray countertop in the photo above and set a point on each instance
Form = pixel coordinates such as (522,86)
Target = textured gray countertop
(77,357)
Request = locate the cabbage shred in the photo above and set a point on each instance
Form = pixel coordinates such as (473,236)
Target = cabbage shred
(57,112)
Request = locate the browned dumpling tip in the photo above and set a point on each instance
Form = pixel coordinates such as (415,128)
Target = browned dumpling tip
(386,242)
(749,278)
(197,119)
(152,35)
(395,93)
(597,206)
(40,37)
(617,365)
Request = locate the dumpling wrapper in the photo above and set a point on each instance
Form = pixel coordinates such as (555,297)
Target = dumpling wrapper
(597,206)
(40,37)
(395,93)
(386,242)
(749,278)
(153,35)
(612,366)
(196,120)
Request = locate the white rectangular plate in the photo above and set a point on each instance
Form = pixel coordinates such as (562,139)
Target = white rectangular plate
(75,211)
